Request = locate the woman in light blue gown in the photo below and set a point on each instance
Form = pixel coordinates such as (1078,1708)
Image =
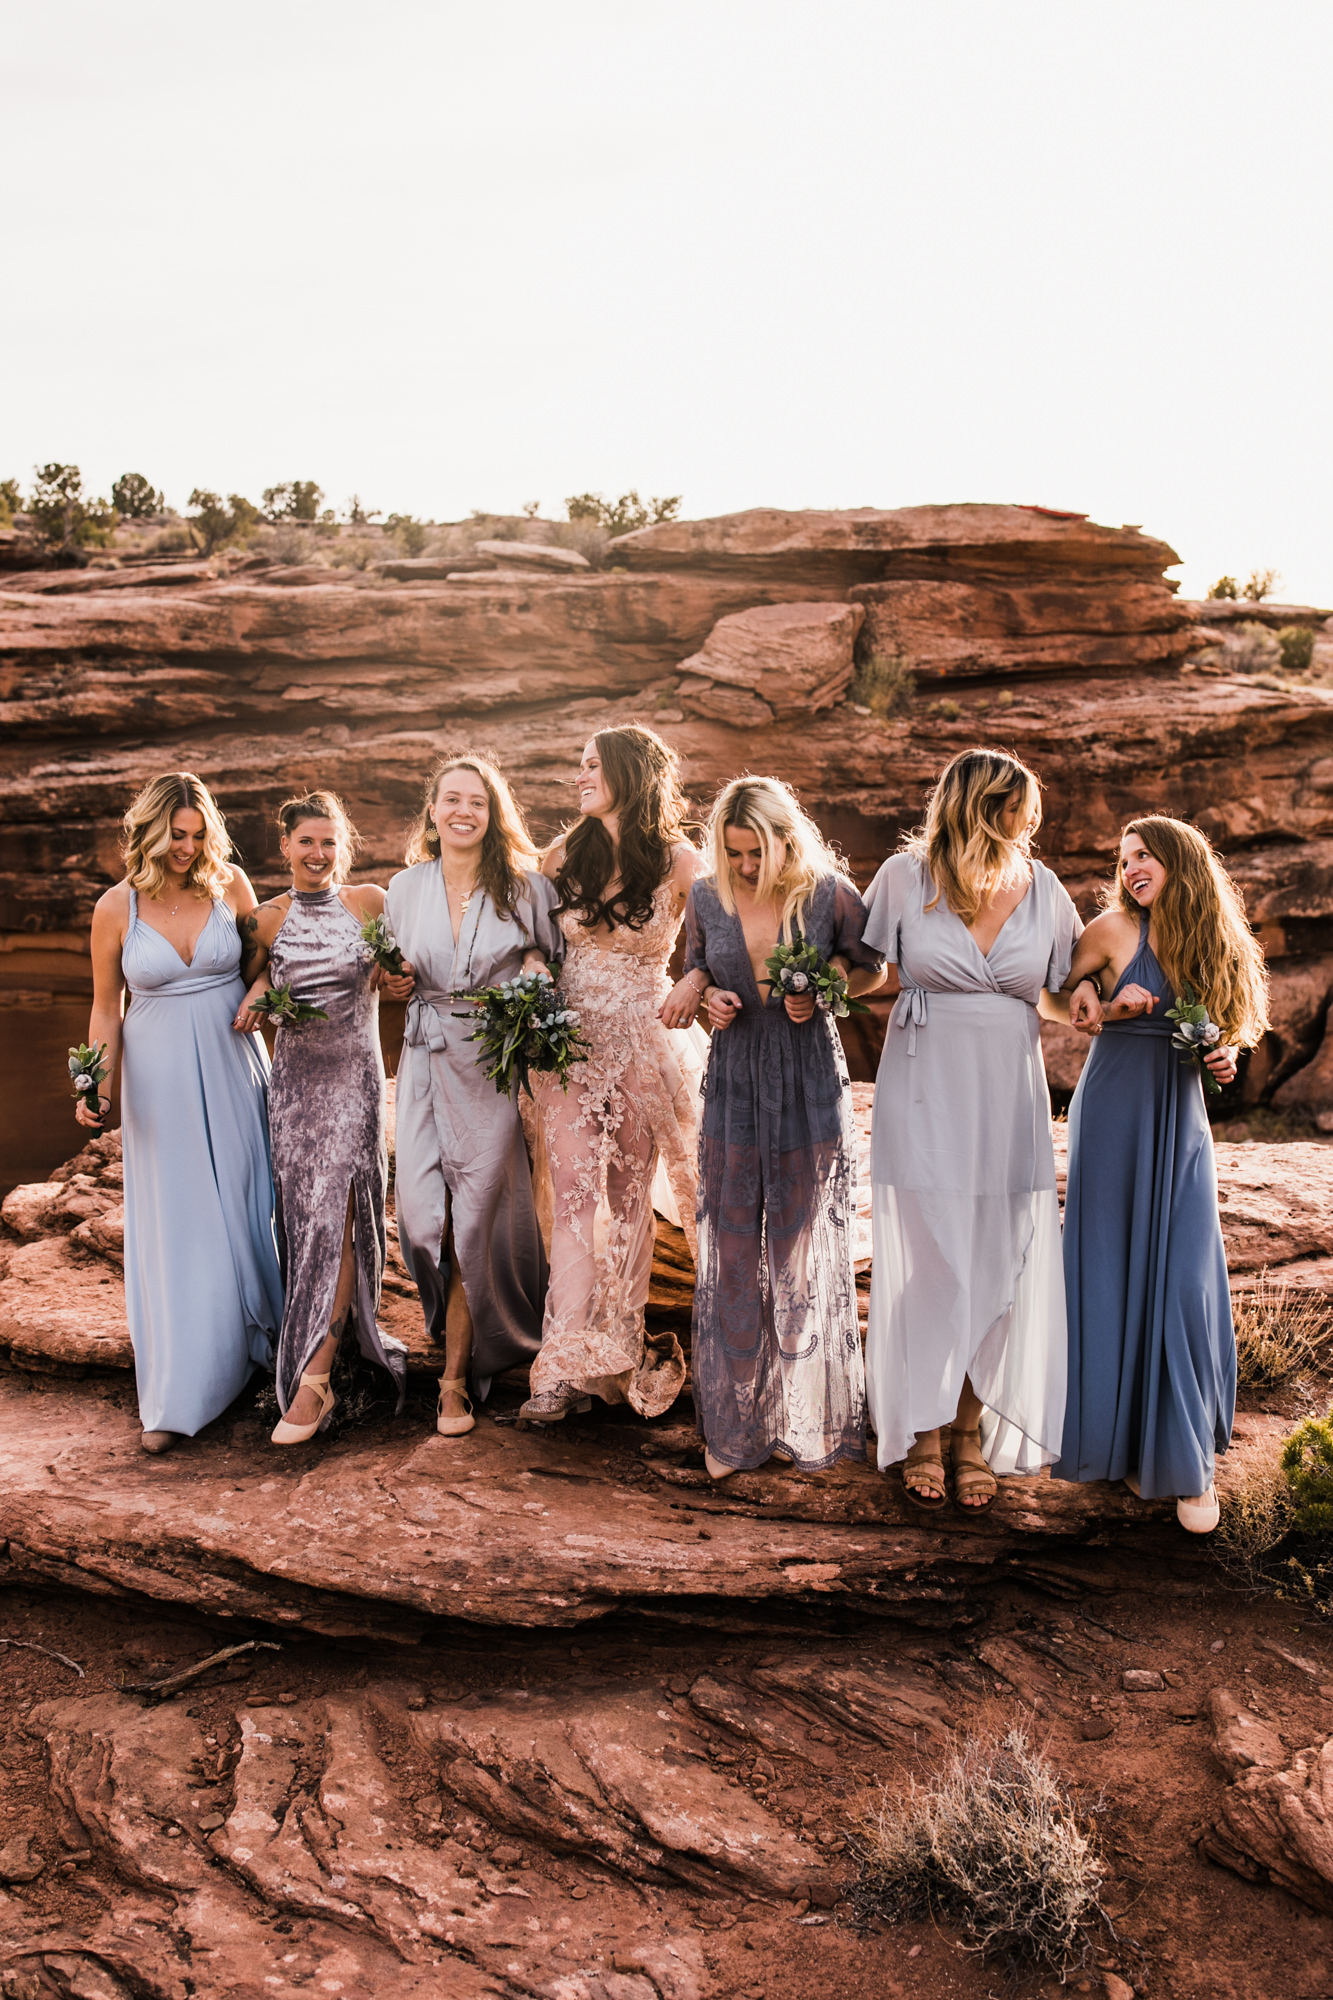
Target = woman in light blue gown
(1152,1351)
(203,1295)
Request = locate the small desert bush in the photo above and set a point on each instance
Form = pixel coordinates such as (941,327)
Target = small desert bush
(1279,1330)
(1307,1464)
(1250,648)
(170,541)
(289,545)
(1256,1519)
(994,1842)
(1296,644)
(884,684)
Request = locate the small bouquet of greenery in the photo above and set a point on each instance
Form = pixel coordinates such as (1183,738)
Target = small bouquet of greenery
(384,948)
(797,968)
(522,1027)
(282,1007)
(1195,1036)
(87,1072)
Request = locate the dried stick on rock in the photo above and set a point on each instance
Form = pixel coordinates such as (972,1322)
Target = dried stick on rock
(174,1681)
(31,1646)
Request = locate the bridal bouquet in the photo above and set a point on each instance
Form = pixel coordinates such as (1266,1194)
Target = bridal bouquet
(797,968)
(522,1028)
(87,1072)
(384,948)
(281,1006)
(1195,1036)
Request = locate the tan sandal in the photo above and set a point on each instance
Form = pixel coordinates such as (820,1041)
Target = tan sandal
(285,1433)
(453,1427)
(974,1485)
(924,1466)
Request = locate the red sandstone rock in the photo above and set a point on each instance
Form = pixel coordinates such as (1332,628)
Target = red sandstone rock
(794,659)
(1276,1824)
(533,555)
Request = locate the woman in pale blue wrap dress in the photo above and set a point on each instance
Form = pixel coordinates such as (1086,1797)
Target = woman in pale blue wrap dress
(203,1294)
(468,914)
(1152,1350)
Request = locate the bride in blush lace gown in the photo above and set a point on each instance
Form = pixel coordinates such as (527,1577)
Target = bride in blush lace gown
(624,1135)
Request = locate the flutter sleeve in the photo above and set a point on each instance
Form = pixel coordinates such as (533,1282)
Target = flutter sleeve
(885,902)
(535,910)
(1066,930)
(696,937)
(849,922)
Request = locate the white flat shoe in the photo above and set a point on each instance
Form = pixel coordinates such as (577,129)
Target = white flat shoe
(1200,1515)
(454,1427)
(1131,1480)
(715,1468)
(285,1433)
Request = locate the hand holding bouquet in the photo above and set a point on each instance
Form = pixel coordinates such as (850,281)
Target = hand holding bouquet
(87,1071)
(522,1027)
(281,1006)
(1196,1036)
(797,968)
(384,948)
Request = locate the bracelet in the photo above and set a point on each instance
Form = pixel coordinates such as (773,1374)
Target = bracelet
(700,990)
(1090,979)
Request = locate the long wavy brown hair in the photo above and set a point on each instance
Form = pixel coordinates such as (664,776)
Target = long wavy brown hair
(643,776)
(1201,936)
(507,848)
(148,836)
(966,850)
(323,805)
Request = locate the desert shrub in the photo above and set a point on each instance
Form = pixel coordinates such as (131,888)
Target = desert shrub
(1005,698)
(995,1842)
(170,541)
(1279,1330)
(11,501)
(64,513)
(286,543)
(1259,584)
(1296,645)
(948,710)
(408,535)
(135,498)
(884,684)
(213,523)
(1250,648)
(357,551)
(294,500)
(622,516)
(1307,1465)
(1256,1518)
(1225,588)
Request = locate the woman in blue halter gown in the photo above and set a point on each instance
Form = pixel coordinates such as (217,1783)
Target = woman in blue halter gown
(202,1291)
(1152,1352)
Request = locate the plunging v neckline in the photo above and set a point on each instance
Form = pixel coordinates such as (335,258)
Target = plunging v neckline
(986,955)
(188,963)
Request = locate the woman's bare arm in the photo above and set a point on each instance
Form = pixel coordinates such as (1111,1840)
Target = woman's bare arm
(110,918)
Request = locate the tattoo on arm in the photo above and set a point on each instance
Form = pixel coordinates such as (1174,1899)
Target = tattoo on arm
(254,953)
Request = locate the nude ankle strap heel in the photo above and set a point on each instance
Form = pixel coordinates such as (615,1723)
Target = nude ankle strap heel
(285,1433)
(452,1427)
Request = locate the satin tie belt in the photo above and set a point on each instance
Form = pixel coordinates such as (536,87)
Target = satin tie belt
(424,1030)
(910,1012)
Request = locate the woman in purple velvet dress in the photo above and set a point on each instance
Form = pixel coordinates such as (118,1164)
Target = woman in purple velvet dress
(776,1346)
(326,1110)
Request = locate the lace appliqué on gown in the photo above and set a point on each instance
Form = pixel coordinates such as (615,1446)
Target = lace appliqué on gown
(630,1120)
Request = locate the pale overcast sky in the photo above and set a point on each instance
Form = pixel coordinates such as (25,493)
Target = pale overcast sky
(827,253)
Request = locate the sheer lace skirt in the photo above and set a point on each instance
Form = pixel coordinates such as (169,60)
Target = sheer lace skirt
(627,1122)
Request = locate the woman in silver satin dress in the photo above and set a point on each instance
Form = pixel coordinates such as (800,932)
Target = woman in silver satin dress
(326,1110)
(469,911)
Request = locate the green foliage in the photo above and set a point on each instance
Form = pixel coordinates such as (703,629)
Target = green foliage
(11,501)
(1307,1465)
(1296,644)
(62,511)
(1226,588)
(296,500)
(1260,583)
(407,534)
(135,498)
(622,516)
(948,710)
(213,523)
(884,684)
(359,516)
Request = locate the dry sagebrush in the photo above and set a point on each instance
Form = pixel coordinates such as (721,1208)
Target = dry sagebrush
(1279,1332)
(994,1841)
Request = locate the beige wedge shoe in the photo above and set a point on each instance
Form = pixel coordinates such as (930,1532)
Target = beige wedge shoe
(285,1433)
(453,1427)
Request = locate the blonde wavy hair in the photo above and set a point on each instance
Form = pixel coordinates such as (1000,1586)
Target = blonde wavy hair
(795,856)
(964,845)
(507,848)
(323,805)
(1201,935)
(148,836)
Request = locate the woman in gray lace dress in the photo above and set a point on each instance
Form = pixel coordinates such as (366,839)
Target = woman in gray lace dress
(326,1110)
(776,1346)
